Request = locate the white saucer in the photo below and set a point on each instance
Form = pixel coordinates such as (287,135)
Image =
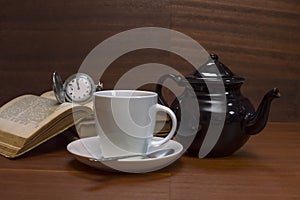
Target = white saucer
(86,150)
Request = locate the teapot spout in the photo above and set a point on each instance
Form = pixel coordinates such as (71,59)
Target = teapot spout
(255,122)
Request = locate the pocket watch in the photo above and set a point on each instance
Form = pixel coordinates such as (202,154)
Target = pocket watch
(77,88)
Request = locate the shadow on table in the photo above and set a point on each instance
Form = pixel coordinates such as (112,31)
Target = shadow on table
(116,177)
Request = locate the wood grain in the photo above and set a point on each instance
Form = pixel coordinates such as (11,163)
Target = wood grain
(267,167)
(258,40)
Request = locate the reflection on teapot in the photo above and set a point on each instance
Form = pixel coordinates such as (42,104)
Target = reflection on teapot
(241,120)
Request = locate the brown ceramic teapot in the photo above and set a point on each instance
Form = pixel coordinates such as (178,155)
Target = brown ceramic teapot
(241,120)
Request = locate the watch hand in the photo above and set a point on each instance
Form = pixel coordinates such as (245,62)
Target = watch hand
(77,84)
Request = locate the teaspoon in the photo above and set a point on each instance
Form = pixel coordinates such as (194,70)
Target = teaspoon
(155,154)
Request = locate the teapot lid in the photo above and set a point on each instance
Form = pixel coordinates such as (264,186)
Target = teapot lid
(208,73)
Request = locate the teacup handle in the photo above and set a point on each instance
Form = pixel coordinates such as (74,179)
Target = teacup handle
(174,125)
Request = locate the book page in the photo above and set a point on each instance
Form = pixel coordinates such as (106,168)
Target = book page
(29,110)
(49,95)
(24,115)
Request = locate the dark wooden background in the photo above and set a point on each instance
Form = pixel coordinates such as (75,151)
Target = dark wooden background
(259,40)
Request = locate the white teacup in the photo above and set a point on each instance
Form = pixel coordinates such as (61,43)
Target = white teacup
(125,121)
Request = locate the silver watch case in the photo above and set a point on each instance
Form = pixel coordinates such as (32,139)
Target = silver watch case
(59,88)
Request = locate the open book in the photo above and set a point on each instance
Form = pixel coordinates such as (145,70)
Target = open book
(29,120)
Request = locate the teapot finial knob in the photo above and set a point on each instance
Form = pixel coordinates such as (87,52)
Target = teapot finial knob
(214,56)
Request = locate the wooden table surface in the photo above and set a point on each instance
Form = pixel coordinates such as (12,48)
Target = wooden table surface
(267,167)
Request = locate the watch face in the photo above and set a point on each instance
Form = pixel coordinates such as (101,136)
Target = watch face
(79,88)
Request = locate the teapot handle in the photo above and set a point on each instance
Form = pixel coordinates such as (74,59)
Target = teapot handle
(176,78)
